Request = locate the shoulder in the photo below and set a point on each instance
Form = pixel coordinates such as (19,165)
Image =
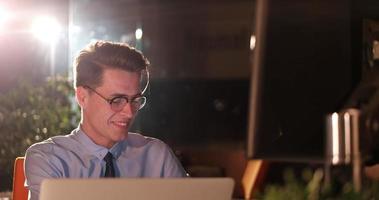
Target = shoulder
(46,145)
(51,145)
(51,156)
(137,140)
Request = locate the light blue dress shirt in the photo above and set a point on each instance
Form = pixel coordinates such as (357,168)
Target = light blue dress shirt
(77,156)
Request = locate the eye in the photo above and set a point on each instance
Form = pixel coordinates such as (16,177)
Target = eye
(118,100)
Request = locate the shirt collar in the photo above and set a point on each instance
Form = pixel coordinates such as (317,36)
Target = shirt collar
(97,150)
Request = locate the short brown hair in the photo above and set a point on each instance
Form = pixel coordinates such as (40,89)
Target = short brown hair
(91,61)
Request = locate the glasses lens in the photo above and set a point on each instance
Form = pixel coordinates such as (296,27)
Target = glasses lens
(118,103)
(139,102)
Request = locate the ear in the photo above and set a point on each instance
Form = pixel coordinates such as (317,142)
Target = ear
(81,95)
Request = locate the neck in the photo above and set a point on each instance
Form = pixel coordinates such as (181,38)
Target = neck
(95,137)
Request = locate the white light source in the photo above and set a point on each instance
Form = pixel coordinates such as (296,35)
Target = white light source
(252,42)
(335,136)
(74,29)
(4,15)
(46,29)
(347,128)
(139,33)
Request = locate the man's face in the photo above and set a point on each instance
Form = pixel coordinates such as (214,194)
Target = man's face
(102,124)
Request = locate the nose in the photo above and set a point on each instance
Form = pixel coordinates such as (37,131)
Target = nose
(128,110)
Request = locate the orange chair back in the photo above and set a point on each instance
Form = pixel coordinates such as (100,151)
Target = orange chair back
(254,176)
(19,190)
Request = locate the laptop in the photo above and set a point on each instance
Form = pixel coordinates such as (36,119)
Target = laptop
(138,189)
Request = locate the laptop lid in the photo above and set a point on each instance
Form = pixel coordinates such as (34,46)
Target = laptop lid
(138,189)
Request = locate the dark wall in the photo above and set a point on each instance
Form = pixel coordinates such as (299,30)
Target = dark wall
(195,112)
(307,72)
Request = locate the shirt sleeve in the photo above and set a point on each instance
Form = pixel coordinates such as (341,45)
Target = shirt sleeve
(38,166)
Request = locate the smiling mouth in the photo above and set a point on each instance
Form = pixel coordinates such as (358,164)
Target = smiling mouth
(121,124)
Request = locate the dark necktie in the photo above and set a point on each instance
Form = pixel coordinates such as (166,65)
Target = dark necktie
(109,169)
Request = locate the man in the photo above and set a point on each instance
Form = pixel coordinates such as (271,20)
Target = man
(108,89)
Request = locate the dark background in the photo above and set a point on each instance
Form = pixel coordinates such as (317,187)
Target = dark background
(316,63)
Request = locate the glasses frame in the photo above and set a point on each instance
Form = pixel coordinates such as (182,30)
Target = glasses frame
(112,100)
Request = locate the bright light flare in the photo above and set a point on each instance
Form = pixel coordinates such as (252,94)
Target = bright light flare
(75,29)
(347,129)
(335,138)
(253,40)
(46,29)
(4,16)
(139,33)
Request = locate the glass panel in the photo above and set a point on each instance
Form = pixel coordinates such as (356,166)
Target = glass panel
(199,52)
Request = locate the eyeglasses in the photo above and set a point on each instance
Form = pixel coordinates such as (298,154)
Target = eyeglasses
(118,103)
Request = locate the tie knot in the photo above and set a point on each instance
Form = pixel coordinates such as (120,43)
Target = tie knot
(109,157)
